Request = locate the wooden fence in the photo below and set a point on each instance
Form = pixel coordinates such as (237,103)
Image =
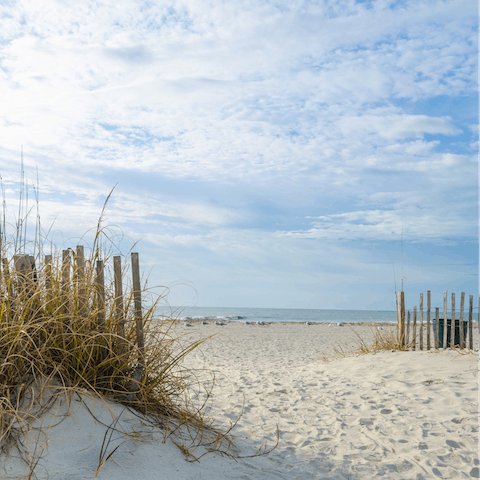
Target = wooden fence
(435,332)
(73,270)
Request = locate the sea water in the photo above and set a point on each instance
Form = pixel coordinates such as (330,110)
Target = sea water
(278,314)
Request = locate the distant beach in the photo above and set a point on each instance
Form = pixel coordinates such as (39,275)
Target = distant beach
(294,315)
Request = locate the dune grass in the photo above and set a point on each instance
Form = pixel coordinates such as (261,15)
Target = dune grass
(57,331)
(385,339)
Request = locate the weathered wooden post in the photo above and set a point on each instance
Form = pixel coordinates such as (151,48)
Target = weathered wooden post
(414,339)
(428,319)
(65,270)
(25,268)
(100,282)
(408,331)
(48,278)
(8,288)
(137,300)
(452,324)
(445,323)
(421,321)
(437,332)
(402,318)
(119,314)
(80,260)
(470,323)
(4,266)
(64,286)
(397,301)
(462,304)
(26,278)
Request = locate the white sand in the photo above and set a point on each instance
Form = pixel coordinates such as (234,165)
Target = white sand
(395,415)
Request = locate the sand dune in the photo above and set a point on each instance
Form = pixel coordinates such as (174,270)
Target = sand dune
(398,415)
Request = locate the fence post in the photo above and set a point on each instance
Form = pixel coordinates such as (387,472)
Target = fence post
(462,304)
(402,318)
(428,319)
(65,279)
(5,275)
(119,315)
(408,331)
(397,301)
(8,287)
(414,335)
(25,267)
(80,258)
(65,270)
(421,321)
(137,300)
(470,323)
(453,323)
(445,323)
(48,278)
(437,333)
(100,283)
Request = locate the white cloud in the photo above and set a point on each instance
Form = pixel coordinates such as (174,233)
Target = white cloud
(421,215)
(393,127)
(318,109)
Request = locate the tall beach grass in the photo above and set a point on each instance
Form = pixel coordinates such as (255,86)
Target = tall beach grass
(59,334)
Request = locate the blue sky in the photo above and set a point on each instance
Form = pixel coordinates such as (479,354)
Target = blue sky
(265,154)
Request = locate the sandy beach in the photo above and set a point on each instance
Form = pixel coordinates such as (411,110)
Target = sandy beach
(395,415)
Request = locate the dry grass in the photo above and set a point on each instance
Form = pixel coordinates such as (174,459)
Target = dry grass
(387,339)
(55,331)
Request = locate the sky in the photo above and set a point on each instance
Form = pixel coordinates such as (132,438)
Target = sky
(262,153)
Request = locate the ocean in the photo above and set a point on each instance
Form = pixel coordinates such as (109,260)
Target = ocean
(297,315)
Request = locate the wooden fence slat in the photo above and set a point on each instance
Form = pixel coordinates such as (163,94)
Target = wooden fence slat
(452,323)
(397,300)
(80,274)
(8,286)
(100,284)
(421,321)
(408,331)
(445,319)
(48,277)
(428,319)
(462,304)
(402,318)
(64,285)
(437,332)
(119,314)
(65,270)
(24,266)
(137,300)
(470,323)
(3,264)
(414,334)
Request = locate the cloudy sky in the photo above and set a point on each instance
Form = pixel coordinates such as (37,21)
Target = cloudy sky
(264,153)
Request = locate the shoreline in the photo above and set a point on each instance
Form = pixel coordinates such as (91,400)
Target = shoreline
(211,321)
